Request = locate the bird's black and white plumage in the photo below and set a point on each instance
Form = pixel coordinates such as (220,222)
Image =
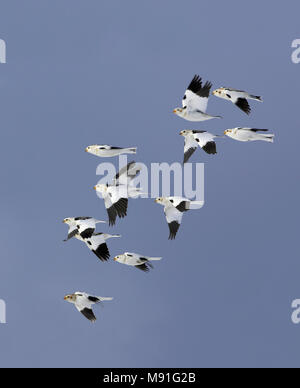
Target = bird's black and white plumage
(97,244)
(84,226)
(117,194)
(195,100)
(135,260)
(193,139)
(174,207)
(84,302)
(249,134)
(106,151)
(237,97)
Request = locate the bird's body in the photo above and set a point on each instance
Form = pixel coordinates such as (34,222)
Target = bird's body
(135,260)
(84,302)
(97,244)
(84,226)
(195,101)
(249,134)
(117,194)
(193,139)
(237,97)
(106,151)
(174,207)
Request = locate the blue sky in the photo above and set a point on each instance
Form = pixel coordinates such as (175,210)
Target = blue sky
(86,72)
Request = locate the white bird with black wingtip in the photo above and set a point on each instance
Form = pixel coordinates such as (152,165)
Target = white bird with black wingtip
(116,195)
(84,226)
(174,207)
(95,242)
(193,139)
(135,260)
(195,100)
(84,302)
(237,97)
(106,151)
(249,134)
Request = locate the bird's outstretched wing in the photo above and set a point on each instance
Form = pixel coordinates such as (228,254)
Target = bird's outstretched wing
(196,95)
(127,174)
(174,218)
(97,245)
(72,232)
(190,146)
(206,141)
(243,104)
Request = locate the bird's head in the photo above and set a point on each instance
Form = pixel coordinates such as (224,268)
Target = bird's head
(101,188)
(67,221)
(178,111)
(160,200)
(218,92)
(185,132)
(70,298)
(119,258)
(94,148)
(230,132)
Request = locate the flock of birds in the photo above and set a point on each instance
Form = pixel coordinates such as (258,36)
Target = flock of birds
(116,194)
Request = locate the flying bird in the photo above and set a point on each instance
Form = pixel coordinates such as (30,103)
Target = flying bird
(195,100)
(116,195)
(106,151)
(237,97)
(84,302)
(138,261)
(174,207)
(249,134)
(84,226)
(193,139)
(97,244)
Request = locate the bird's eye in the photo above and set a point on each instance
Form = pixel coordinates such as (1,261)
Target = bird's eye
(184,98)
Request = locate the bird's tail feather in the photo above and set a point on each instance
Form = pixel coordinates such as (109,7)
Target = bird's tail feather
(268,138)
(196,204)
(256,98)
(154,258)
(105,298)
(132,150)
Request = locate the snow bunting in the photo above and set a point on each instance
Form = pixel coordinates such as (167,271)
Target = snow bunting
(136,260)
(249,134)
(174,207)
(97,244)
(84,302)
(193,139)
(106,151)
(195,100)
(237,97)
(116,195)
(85,226)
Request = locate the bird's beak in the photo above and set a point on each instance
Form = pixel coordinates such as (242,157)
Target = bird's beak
(180,133)
(64,221)
(115,259)
(86,150)
(65,298)
(95,187)
(156,200)
(225,132)
(174,111)
(214,92)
